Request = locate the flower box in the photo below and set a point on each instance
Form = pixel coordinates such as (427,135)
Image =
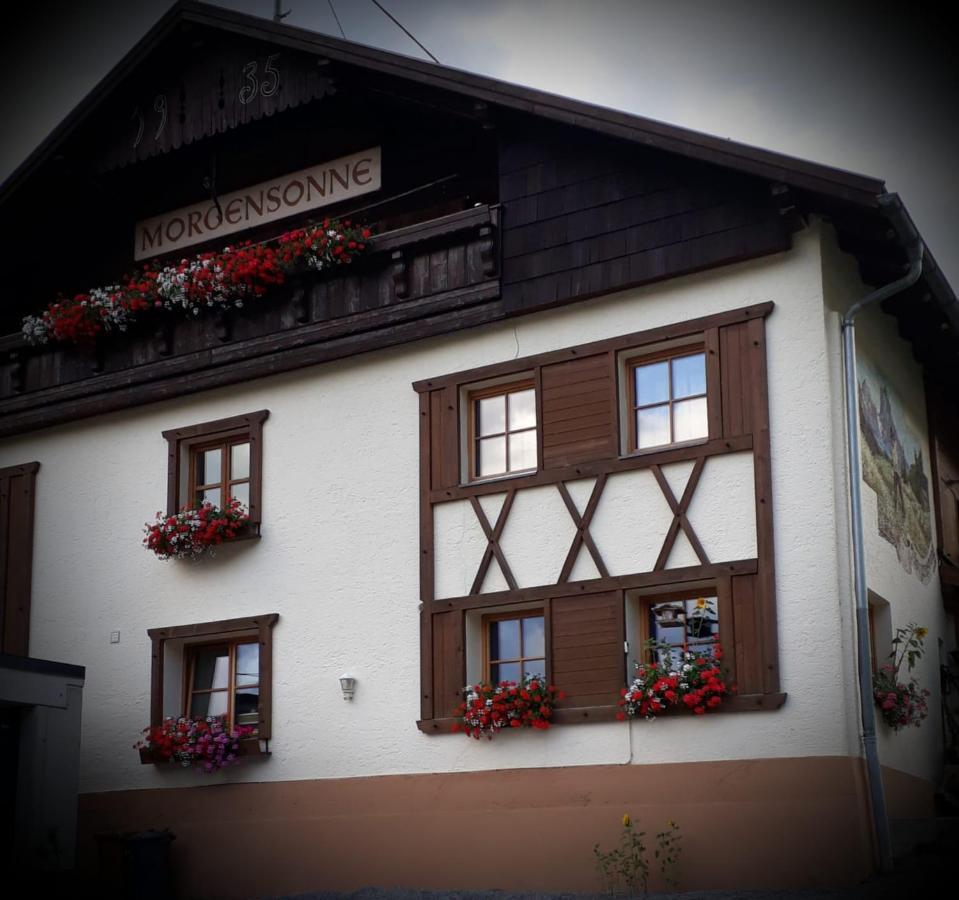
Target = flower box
(197,531)
(198,742)
(487,708)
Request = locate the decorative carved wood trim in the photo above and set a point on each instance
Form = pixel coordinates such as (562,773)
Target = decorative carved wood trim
(15,358)
(401,287)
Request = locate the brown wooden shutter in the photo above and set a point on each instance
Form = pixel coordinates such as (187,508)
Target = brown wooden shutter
(579,410)
(444,439)
(742,355)
(944,448)
(449,662)
(16,556)
(587,657)
(747,623)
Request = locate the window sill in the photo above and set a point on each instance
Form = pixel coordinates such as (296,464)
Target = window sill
(661,448)
(580,715)
(252,747)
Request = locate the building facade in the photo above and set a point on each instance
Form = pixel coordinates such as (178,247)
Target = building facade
(586,379)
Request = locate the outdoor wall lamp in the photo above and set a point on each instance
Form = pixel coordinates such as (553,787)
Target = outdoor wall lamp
(347,685)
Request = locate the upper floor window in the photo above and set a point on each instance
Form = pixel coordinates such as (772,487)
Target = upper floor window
(502,430)
(213,462)
(220,471)
(667,399)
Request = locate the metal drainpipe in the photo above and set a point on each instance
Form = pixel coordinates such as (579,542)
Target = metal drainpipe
(877,796)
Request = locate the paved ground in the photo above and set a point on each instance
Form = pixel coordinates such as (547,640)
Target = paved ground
(927,870)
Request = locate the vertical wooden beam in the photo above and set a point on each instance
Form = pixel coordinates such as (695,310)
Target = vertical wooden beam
(17,489)
(755,351)
(714,391)
(265,634)
(427,569)
(156,681)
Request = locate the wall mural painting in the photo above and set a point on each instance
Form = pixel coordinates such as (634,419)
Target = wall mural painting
(892,465)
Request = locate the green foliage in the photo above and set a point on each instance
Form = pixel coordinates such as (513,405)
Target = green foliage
(626,867)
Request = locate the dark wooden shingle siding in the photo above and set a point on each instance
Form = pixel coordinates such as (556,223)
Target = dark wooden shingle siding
(584,216)
(587,656)
(579,410)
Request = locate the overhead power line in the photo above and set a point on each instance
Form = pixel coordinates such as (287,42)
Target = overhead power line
(335,16)
(405,31)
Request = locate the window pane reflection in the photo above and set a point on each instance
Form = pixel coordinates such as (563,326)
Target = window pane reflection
(208,469)
(247,664)
(689,375)
(491,416)
(210,496)
(211,669)
(652,383)
(213,704)
(652,426)
(522,409)
(504,672)
(522,451)
(504,639)
(241,492)
(240,461)
(689,420)
(534,636)
(491,456)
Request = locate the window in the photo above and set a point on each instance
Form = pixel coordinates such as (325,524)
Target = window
(502,430)
(684,619)
(667,398)
(224,680)
(215,461)
(515,646)
(220,668)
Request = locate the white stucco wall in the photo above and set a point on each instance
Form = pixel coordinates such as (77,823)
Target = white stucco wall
(880,348)
(339,554)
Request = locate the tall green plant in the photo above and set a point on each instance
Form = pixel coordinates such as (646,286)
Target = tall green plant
(626,867)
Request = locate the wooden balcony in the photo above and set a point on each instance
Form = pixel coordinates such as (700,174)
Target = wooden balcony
(416,282)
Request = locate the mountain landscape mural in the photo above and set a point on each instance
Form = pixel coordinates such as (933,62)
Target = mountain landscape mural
(892,466)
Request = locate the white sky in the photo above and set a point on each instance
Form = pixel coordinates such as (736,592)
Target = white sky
(843,84)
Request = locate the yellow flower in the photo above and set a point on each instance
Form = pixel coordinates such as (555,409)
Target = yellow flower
(626,821)
(921,633)
(700,602)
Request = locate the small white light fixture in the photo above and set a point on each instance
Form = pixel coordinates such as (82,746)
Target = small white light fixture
(347,685)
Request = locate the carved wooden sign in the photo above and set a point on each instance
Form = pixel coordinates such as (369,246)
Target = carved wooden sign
(189,96)
(312,188)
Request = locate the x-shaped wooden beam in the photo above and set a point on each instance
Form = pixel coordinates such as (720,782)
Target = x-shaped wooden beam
(582,523)
(679,514)
(492,546)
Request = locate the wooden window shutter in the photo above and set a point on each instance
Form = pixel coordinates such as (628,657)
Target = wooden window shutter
(747,622)
(16,556)
(449,661)
(578,405)
(944,450)
(742,355)
(587,654)
(444,439)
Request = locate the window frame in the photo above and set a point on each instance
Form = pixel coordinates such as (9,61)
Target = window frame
(260,628)
(472,394)
(519,614)
(632,360)
(190,652)
(184,443)
(647,597)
